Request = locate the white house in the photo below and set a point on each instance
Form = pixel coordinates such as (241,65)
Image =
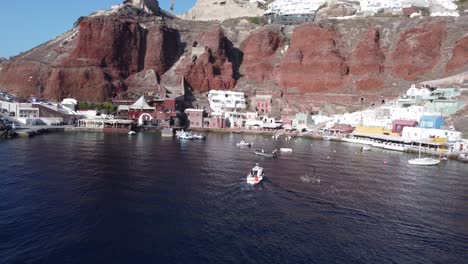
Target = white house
(224,101)
(417,133)
(238,119)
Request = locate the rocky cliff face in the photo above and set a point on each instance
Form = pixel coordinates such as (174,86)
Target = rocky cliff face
(260,53)
(367,70)
(332,61)
(314,62)
(214,10)
(459,59)
(149,6)
(212,67)
(418,50)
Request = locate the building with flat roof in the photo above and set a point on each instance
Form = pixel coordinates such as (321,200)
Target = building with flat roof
(224,101)
(195,117)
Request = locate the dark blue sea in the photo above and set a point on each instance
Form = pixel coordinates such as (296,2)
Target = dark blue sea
(113,198)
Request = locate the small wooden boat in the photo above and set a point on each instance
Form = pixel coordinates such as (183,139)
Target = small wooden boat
(244,144)
(255,176)
(266,154)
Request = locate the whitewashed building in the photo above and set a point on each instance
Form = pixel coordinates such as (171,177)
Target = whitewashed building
(417,133)
(376,5)
(224,101)
(293,7)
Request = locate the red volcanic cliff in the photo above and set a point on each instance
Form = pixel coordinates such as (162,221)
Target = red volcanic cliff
(213,68)
(110,42)
(314,62)
(418,50)
(367,63)
(259,54)
(162,49)
(460,55)
(106,55)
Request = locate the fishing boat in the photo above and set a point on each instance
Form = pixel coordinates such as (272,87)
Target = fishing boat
(255,176)
(266,154)
(244,144)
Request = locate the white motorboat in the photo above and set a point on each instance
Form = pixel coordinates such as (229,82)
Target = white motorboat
(255,176)
(266,154)
(199,136)
(366,148)
(131,132)
(424,161)
(184,135)
(286,150)
(244,144)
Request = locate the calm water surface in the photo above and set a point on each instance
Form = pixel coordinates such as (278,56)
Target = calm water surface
(114,198)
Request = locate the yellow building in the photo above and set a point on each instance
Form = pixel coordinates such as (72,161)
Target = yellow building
(374,131)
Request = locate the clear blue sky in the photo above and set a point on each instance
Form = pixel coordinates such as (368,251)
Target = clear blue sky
(26,24)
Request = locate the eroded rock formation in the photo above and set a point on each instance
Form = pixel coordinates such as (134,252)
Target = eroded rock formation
(418,50)
(210,64)
(367,63)
(314,61)
(459,57)
(260,51)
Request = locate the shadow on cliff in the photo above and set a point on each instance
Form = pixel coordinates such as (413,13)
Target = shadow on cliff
(236,56)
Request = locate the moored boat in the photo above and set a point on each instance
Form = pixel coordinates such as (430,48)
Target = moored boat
(255,176)
(199,136)
(286,150)
(131,132)
(265,154)
(366,148)
(184,135)
(244,144)
(424,161)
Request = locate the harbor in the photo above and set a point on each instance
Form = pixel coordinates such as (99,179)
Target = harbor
(148,188)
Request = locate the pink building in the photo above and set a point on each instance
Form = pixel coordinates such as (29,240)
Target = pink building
(215,120)
(263,103)
(195,117)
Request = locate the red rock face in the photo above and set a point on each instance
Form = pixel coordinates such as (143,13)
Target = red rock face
(161,49)
(110,42)
(418,50)
(367,63)
(23,78)
(213,69)
(88,84)
(460,56)
(314,61)
(259,53)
